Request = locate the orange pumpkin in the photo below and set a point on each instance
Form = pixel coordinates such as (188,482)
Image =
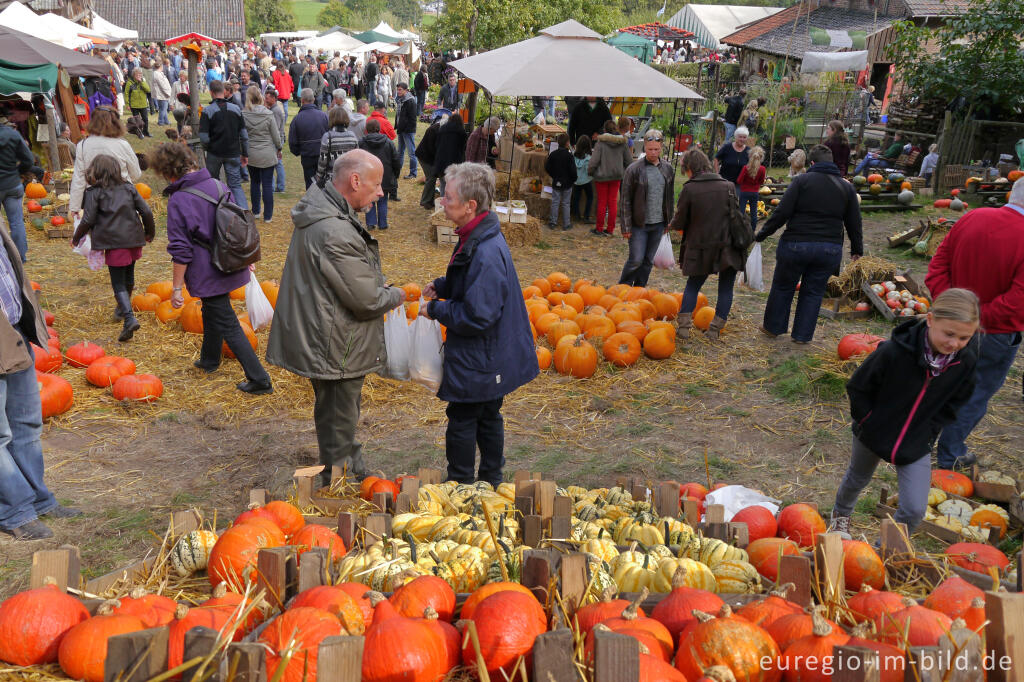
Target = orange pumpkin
(765,553)
(646,308)
(560,329)
(543,322)
(988,518)
(952,482)
(33,622)
(560,282)
(862,566)
(622,349)
(83,650)
(543,357)
(529,292)
(555,297)
(57,220)
(575,300)
(623,312)
(105,371)
(191,317)
(33,206)
(702,317)
(147,302)
(485,591)
(165,312)
(598,327)
(270,290)
(618,290)
(591,293)
(660,343)
(302,628)
(543,284)
(34,190)
(143,189)
(1015,175)
(55,394)
(634,294)
(906,185)
(801,523)
(874,179)
(633,327)
(144,388)
(162,289)
(238,294)
(658,324)
(314,535)
(336,601)
(566,312)
(576,357)
(666,307)
(608,301)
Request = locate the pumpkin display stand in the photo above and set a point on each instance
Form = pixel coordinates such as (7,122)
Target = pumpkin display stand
(441,231)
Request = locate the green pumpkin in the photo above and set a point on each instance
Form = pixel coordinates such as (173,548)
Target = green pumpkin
(896,178)
(44,202)
(38,223)
(876,189)
(860,180)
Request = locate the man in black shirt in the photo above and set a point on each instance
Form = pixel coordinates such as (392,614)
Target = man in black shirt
(734,107)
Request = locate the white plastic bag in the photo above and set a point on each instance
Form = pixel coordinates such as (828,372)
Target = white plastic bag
(95,259)
(753,271)
(261,313)
(736,497)
(425,359)
(396,341)
(663,258)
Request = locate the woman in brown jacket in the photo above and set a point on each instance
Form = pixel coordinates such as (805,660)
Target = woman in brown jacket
(702,215)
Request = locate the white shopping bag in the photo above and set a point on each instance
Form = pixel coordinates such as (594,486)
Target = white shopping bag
(663,258)
(396,341)
(95,259)
(753,271)
(261,313)
(425,359)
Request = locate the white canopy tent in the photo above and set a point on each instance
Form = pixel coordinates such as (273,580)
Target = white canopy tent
(113,32)
(331,43)
(711,23)
(384,28)
(288,35)
(409,35)
(20,18)
(568,59)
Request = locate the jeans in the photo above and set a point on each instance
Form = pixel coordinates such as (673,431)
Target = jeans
(913,481)
(868,162)
(377,216)
(23,494)
(810,264)
(261,182)
(161,106)
(643,244)
(607,201)
(994,361)
(142,113)
(232,172)
(471,425)
(549,108)
(578,191)
(336,415)
(749,200)
(421,99)
(220,326)
(11,199)
(284,105)
(560,204)
(309,164)
(279,184)
(723,304)
(371,92)
(407,141)
(730,128)
(430,181)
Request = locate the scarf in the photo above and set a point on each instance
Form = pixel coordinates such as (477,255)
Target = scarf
(937,362)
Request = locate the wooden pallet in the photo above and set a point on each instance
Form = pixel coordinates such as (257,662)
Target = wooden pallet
(909,235)
(904,279)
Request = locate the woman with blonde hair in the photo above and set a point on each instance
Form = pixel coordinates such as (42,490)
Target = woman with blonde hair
(265,145)
(749,182)
(902,396)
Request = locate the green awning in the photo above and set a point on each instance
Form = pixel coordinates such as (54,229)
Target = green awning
(633,45)
(374,37)
(26,78)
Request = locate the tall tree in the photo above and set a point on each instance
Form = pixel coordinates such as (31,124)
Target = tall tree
(983,41)
(334,13)
(408,12)
(265,16)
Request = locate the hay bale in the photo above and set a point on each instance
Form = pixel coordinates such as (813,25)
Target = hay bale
(536,205)
(502,186)
(864,269)
(522,234)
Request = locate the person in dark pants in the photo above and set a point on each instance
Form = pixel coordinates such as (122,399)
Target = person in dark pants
(984,252)
(191,216)
(304,135)
(421,84)
(378,144)
(333,296)
(489,351)
(645,208)
(815,208)
(426,152)
(702,215)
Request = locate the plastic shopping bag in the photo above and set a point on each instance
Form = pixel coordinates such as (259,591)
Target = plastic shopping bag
(261,313)
(753,272)
(425,358)
(396,341)
(95,259)
(663,258)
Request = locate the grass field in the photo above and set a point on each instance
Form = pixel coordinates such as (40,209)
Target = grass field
(305,12)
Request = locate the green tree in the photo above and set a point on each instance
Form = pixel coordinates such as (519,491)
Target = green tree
(334,13)
(366,7)
(265,16)
(978,57)
(408,12)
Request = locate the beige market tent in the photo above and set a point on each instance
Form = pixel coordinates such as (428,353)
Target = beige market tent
(568,59)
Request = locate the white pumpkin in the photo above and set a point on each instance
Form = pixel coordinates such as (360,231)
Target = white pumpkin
(995,477)
(958,508)
(192,553)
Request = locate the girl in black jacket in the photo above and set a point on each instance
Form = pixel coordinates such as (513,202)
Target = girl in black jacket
(120,223)
(902,396)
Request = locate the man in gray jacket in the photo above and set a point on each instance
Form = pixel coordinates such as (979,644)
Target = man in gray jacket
(329,321)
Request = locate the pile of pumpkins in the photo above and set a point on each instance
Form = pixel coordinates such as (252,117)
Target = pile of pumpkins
(956,202)
(39,202)
(583,321)
(157,299)
(947,507)
(997,185)
(876,184)
(104,371)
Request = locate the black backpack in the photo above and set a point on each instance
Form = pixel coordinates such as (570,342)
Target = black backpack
(740,234)
(236,241)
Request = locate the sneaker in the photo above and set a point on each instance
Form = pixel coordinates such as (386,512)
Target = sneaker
(394,198)
(965,462)
(410,176)
(62,512)
(205,368)
(552,226)
(840,525)
(566,228)
(31,530)
(767,333)
(267,220)
(597,232)
(255,388)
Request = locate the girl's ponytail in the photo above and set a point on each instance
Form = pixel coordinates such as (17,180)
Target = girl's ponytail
(959,305)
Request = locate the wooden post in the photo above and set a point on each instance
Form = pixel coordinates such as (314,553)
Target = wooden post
(524,505)
(378,526)
(63,565)
(340,659)
(1005,613)
(347,527)
(537,570)
(572,573)
(245,660)
(691,512)
(895,540)
(552,657)
(199,642)
(193,90)
(136,656)
(51,144)
(668,499)
(855,664)
(427,475)
(533,526)
(305,486)
(411,486)
(561,518)
(714,522)
(828,564)
(276,574)
(382,501)
(797,570)
(258,496)
(962,658)
(639,492)
(183,522)
(313,568)
(616,657)
(404,503)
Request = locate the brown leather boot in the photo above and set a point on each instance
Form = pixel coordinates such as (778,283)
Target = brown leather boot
(715,328)
(683,325)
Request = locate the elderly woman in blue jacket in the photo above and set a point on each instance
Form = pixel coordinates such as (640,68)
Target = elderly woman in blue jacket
(489,349)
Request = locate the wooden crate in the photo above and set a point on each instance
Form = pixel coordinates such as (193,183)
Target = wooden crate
(830,309)
(65,231)
(904,280)
(908,236)
(885,508)
(997,492)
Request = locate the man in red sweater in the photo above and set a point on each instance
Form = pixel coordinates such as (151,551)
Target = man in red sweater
(284,86)
(984,252)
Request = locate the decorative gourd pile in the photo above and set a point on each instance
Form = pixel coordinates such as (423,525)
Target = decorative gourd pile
(583,321)
(904,303)
(945,508)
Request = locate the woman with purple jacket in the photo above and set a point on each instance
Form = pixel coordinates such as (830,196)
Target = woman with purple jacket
(190,216)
